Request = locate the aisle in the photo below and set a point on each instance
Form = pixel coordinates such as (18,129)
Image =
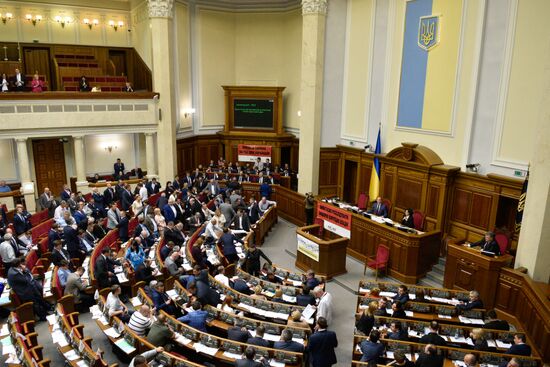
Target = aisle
(280,247)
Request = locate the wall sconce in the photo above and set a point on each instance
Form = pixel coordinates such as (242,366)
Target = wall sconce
(6,17)
(110,148)
(91,23)
(33,19)
(63,20)
(474,167)
(116,25)
(188,111)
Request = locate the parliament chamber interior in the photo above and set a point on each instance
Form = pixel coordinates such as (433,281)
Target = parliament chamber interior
(191,183)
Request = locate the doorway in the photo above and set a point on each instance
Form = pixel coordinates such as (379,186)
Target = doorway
(118,60)
(37,60)
(350,181)
(49,164)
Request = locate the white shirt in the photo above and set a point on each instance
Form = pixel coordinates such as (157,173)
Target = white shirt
(6,252)
(211,230)
(58,213)
(222,279)
(324,308)
(143,193)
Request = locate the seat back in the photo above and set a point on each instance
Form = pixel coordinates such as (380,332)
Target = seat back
(362,201)
(388,205)
(382,254)
(418,219)
(503,242)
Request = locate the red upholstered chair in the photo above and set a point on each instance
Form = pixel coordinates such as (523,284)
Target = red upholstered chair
(503,242)
(380,262)
(388,205)
(362,201)
(418,219)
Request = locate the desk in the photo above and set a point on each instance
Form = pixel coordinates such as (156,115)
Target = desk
(466,268)
(411,255)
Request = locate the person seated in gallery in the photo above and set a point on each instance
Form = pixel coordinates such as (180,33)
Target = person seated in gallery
(488,244)
(474,302)
(379,208)
(408,220)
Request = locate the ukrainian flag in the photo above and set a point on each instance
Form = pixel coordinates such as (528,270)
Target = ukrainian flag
(431,46)
(374,188)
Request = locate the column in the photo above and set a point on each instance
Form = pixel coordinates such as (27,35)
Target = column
(311,93)
(81,182)
(533,250)
(150,155)
(27,186)
(162,37)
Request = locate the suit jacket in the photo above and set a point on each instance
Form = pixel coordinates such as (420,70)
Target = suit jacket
(174,235)
(248,363)
(46,202)
(379,209)
(72,240)
(519,349)
(118,168)
(433,338)
(235,333)
(13,82)
(254,213)
(74,285)
(101,269)
(23,285)
(228,246)
(109,195)
(65,195)
(491,246)
(321,348)
(126,200)
(425,360)
(168,213)
(371,351)
(470,305)
(113,218)
(258,341)
(409,222)
(152,189)
(290,346)
(245,223)
(52,237)
(21,223)
(57,257)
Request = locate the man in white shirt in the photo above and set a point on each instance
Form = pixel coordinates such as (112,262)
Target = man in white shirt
(7,252)
(115,305)
(58,213)
(324,305)
(143,192)
(141,320)
(264,204)
(213,230)
(221,277)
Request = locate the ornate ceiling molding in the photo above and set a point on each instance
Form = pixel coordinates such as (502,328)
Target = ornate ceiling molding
(314,7)
(160,8)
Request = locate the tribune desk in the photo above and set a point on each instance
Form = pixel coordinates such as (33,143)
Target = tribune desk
(326,257)
(466,268)
(412,255)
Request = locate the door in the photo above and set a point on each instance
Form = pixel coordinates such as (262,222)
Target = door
(350,181)
(49,164)
(118,59)
(37,60)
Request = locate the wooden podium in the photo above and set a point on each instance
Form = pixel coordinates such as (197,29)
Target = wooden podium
(467,269)
(325,257)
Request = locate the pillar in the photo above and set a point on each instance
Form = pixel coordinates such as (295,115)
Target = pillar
(533,250)
(150,155)
(27,186)
(80,165)
(311,93)
(162,37)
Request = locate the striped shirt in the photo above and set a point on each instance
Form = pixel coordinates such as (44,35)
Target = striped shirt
(139,323)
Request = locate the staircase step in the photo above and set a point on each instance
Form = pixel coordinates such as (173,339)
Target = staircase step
(442,261)
(439,269)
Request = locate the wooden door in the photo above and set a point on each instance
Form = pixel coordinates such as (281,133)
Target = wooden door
(118,58)
(350,181)
(37,60)
(49,164)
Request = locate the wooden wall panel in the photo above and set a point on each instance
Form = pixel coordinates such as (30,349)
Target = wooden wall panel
(408,193)
(386,189)
(480,212)
(329,163)
(432,204)
(461,205)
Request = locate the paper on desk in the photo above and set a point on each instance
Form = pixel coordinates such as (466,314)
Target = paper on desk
(477,321)
(272,337)
(52,319)
(298,340)
(389,354)
(124,346)
(274,363)
(172,294)
(409,313)
(12,359)
(290,299)
(103,320)
(268,293)
(464,320)
(502,344)
(388,294)
(182,339)
(59,338)
(122,277)
(233,355)
(135,302)
(8,349)
(296,283)
(4,331)
(444,316)
(364,290)
(491,343)
(82,364)
(111,332)
(71,355)
(4,300)
(201,348)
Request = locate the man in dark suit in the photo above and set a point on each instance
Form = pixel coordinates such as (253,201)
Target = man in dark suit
(21,220)
(519,348)
(109,195)
(241,221)
(494,323)
(475,302)
(74,245)
(248,361)
(304,298)
(118,169)
(126,198)
(27,288)
(371,349)
(402,295)
(54,234)
(321,345)
(173,234)
(153,187)
(47,201)
(433,337)
(258,339)
(105,278)
(65,193)
(379,208)
(430,358)
(238,333)
(253,211)
(169,211)
(488,244)
(286,343)
(227,240)
(18,81)
(59,254)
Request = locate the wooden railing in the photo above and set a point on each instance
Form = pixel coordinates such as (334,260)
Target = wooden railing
(264,225)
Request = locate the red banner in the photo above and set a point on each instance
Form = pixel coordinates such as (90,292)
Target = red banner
(249,153)
(335,219)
